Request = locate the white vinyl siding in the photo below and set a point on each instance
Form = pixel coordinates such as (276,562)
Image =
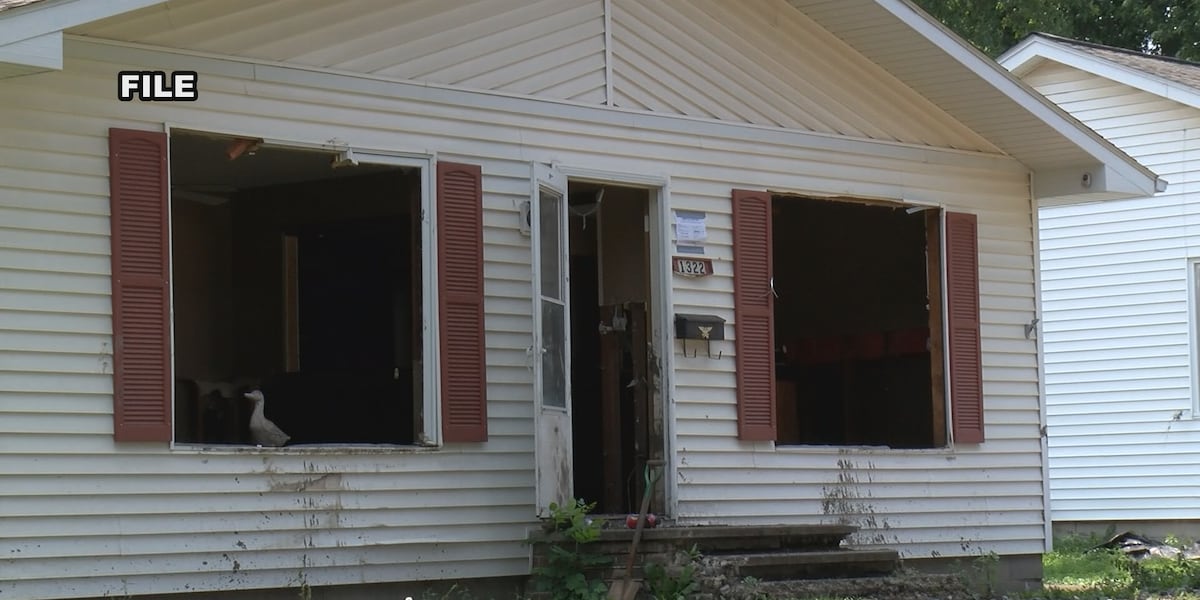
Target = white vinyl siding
(499,45)
(773,66)
(1115,299)
(87,517)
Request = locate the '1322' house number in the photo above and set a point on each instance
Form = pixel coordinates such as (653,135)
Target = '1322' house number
(692,267)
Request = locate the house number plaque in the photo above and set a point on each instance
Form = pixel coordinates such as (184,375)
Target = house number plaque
(689,266)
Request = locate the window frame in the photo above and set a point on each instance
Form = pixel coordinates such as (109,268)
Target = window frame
(947,423)
(971,422)
(431,421)
(1193,308)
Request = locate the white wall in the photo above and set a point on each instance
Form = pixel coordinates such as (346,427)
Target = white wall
(1123,436)
(86,517)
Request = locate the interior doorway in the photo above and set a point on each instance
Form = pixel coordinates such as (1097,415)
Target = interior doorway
(617,409)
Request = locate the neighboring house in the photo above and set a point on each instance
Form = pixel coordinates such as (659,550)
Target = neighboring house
(1119,296)
(453,241)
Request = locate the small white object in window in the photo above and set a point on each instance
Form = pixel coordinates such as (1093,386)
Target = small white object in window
(262,430)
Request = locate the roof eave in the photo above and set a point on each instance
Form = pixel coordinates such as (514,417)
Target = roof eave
(1123,176)
(1034,49)
(1097,182)
(31,35)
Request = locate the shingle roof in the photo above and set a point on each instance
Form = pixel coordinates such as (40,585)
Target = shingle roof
(7,4)
(1173,69)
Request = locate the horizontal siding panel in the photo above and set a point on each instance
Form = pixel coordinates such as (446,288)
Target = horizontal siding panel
(945,480)
(1150,409)
(1132,511)
(282,575)
(397,551)
(1168,424)
(318,531)
(53,322)
(1163,457)
(251,521)
(882,495)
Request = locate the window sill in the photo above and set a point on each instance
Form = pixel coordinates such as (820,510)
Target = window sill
(823,449)
(303,449)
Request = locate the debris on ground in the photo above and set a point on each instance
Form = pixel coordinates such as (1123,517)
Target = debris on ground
(1139,547)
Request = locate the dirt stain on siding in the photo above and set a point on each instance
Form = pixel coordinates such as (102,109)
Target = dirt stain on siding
(304,483)
(848,501)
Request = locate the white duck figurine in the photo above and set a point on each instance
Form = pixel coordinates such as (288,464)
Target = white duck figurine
(262,430)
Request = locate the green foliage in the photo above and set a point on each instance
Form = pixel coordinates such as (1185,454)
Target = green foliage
(565,574)
(1078,544)
(573,520)
(1165,574)
(675,580)
(985,567)
(1178,542)
(1077,569)
(1166,27)
(751,589)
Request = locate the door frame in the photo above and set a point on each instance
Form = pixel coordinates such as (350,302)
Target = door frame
(661,303)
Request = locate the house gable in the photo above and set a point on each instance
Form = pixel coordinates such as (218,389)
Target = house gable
(767,63)
(550,48)
(760,62)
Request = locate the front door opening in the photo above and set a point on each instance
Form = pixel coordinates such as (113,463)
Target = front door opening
(616,410)
(858,324)
(299,275)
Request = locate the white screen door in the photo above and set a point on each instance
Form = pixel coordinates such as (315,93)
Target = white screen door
(551,339)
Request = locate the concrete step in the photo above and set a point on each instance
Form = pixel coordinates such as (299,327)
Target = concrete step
(815,564)
(902,585)
(725,538)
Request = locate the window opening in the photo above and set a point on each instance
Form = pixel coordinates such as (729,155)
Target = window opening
(299,276)
(858,324)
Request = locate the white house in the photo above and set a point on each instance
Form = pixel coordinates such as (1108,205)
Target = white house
(480,256)
(1119,296)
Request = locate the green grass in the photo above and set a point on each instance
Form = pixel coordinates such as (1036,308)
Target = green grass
(1072,564)
(1075,570)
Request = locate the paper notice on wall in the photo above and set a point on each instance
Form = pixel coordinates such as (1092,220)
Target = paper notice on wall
(691,231)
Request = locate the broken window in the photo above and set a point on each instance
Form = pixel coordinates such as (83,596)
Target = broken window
(298,274)
(857,324)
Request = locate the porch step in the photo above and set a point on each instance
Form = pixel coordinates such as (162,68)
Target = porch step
(900,585)
(726,538)
(774,555)
(815,564)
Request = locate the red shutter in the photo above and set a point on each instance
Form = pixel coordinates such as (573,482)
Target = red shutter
(962,315)
(754,315)
(460,300)
(141,275)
